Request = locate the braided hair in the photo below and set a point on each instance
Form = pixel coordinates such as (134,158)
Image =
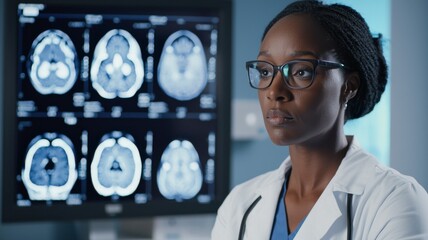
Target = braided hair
(355,46)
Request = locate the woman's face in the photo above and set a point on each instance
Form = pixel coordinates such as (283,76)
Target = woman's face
(302,116)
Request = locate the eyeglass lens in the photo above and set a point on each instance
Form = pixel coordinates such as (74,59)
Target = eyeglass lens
(297,74)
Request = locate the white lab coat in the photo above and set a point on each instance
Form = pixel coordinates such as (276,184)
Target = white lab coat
(385,205)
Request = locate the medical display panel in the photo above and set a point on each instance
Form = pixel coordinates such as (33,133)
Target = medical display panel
(115,105)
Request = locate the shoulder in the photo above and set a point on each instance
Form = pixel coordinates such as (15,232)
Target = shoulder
(259,182)
(399,189)
(245,193)
(401,206)
(392,177)
(392,205)
(230,213)
(383,181)
(362,172)
(391,183)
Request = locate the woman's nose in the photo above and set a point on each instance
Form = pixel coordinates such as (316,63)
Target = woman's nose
(278,91)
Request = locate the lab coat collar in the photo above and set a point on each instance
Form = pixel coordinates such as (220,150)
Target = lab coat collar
(325,211)
(348,178)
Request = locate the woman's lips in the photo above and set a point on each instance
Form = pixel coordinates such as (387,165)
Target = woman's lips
(277,117)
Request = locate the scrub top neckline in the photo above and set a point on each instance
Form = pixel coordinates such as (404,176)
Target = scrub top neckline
(280,224)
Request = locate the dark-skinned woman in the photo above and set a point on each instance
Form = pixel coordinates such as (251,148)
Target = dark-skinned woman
(319,66)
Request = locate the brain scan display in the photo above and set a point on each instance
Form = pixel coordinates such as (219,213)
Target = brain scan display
(117,68)
(116,106)
(179,175)
(50,168)
(52,64)
(182,71)
(116,167)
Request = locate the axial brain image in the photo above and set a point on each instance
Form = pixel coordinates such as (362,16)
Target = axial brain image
(52,64)
(179,174)
(117,68)
(116,167)
(182,71)
(50,169)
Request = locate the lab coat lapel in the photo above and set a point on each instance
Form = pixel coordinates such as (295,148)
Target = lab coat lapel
(322,216)
(260,220)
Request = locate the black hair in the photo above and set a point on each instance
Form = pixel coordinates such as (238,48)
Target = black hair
(356,46)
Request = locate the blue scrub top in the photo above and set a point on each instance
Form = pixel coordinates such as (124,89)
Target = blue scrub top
(280,224)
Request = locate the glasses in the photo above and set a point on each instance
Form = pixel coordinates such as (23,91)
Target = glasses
(297,74)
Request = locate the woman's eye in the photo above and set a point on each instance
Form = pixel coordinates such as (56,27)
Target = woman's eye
(303,74)
(265,73)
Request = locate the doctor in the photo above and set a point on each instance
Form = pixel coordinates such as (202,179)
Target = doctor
(318,66)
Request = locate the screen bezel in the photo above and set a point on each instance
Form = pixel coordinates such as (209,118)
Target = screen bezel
(99,210)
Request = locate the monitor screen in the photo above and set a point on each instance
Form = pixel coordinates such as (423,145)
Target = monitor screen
(116,110)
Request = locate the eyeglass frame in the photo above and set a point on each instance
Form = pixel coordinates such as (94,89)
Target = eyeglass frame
(315,62)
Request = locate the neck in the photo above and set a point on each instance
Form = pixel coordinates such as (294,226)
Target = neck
(314,165)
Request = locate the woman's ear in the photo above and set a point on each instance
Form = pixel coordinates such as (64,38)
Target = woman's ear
(352,84)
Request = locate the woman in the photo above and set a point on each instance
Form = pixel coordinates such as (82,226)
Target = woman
(318,66)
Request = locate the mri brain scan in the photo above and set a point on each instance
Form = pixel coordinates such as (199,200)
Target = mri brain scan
(182,71)
(50,168)
(117,68)
(52,64)
(179,175)
(116,167)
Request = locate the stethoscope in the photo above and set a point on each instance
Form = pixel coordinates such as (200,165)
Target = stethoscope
(254,203)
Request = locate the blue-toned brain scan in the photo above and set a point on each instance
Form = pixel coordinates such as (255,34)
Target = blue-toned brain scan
(53,62)
(116,167)
(179,175)
(182,71)
(117,68)
(50,169)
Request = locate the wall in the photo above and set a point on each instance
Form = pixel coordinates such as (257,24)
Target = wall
(409,84)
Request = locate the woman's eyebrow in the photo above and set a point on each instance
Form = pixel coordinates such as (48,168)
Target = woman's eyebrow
(263,53)
(303,53)
(293,54)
